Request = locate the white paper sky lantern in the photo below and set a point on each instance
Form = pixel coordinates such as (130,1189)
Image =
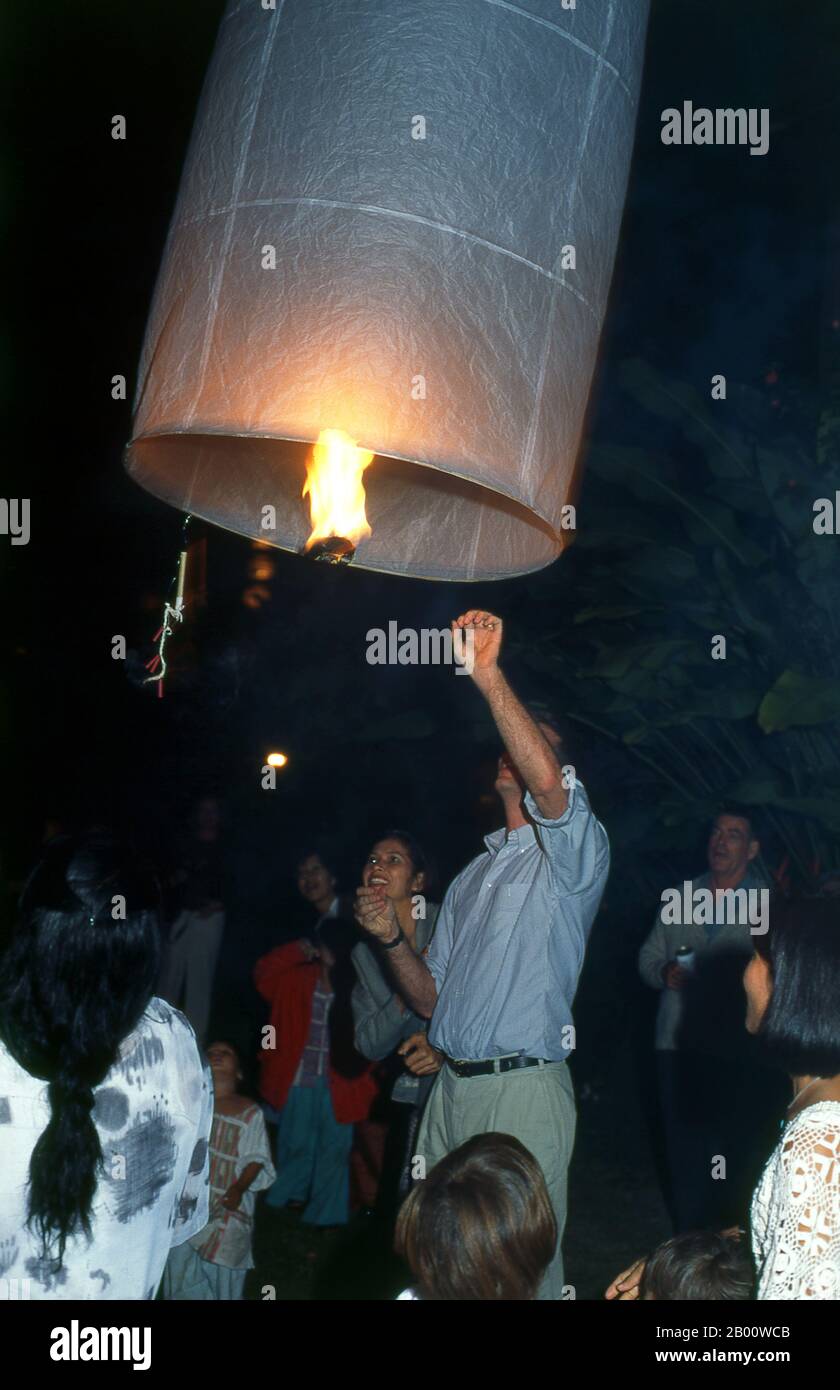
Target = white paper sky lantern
(372,235)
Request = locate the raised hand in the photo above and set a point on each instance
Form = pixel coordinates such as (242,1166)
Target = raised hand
(485,631)
(375,913)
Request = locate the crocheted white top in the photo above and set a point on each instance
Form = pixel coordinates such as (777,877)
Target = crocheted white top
(796,1209)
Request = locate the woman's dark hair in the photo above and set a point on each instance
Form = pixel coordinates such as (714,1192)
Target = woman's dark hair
(75,980)
(324,851)
(340,936)
(421,862)
(698,1265)
(480,1227)
(800,1030)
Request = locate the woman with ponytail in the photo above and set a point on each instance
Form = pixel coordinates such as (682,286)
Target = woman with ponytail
(105,1103)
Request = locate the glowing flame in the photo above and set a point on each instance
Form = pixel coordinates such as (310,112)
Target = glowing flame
(335,489)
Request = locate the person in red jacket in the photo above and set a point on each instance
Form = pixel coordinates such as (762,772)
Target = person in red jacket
(311,1071)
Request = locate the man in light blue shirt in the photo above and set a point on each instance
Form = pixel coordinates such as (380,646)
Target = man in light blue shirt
(502,971)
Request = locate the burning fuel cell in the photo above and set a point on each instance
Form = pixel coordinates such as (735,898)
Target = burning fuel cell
(335,550)
(336,497)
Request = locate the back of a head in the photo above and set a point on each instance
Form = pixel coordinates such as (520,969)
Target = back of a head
(76,978)
(800,1030)
(480,1227)
(696,1266)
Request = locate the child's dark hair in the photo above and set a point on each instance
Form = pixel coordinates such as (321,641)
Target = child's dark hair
(246,1064)
(226,1042)
(697,1266)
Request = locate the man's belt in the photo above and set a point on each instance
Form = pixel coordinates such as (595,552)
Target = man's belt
(493,1064)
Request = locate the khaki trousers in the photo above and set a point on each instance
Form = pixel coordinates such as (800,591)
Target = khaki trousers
(534,1104)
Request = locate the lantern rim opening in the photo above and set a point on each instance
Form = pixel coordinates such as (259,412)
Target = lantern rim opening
(426,515)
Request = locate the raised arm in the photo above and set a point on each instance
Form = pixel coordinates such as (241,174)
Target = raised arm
(528,747)
(415,982)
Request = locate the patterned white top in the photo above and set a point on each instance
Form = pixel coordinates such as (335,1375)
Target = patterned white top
(153,1113)
(796,1209)
(235,1142)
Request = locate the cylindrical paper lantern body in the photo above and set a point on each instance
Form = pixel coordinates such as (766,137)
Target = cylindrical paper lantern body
(398,218)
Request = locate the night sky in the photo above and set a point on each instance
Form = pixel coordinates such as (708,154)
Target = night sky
(724,265)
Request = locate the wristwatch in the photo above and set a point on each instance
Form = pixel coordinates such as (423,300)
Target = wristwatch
(389,945)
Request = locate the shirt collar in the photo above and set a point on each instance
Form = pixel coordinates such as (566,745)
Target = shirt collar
(331,912)
(521,838)
(750,880)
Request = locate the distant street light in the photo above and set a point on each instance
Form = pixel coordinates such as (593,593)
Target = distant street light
(276,760)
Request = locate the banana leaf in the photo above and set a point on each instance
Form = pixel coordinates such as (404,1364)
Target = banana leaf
(797,699)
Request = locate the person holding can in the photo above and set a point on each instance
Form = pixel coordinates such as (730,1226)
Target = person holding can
(716,1099)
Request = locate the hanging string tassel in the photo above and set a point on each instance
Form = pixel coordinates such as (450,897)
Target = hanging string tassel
(172,613)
